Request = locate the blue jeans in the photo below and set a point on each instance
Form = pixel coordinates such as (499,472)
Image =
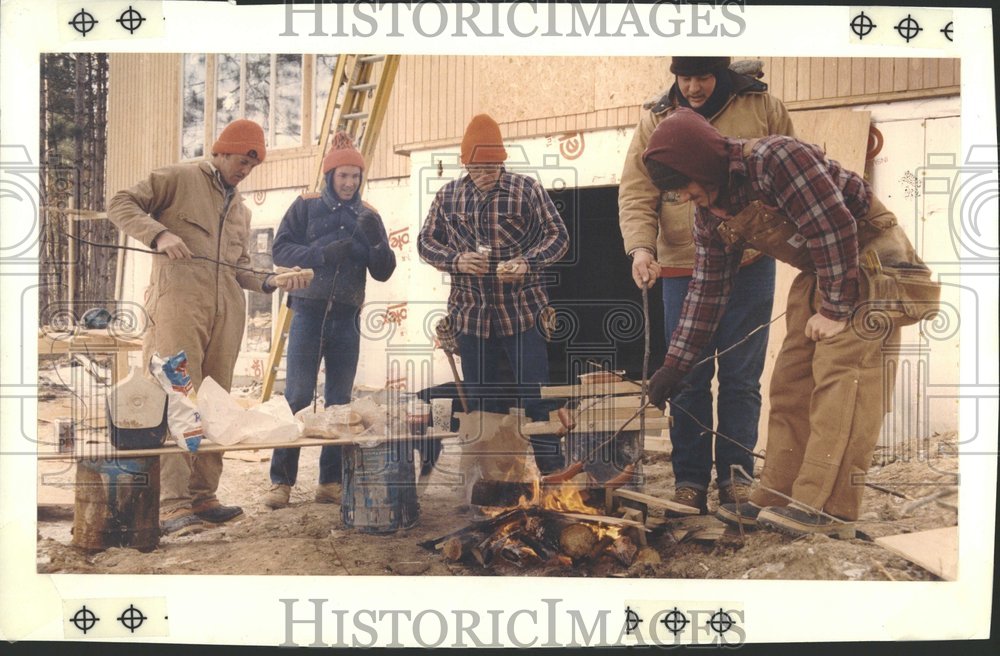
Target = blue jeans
(487,389)
(342,341)
(739,379)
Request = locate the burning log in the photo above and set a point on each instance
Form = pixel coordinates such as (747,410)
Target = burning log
(576,540)
(600,547)
(486,549)
(457,547)
(561,561)
(518,553)
(512,515)
(624,550)
(536,544)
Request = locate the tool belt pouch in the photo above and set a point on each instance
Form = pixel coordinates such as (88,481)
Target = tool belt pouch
(768,231)
(901,287)
(899,283)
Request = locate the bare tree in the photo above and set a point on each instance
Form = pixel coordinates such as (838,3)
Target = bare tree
(74,149)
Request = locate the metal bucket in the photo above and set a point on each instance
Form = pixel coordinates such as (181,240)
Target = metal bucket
(379,487)
(610,459)
(117,504)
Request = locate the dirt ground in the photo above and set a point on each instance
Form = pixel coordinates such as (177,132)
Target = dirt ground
(308,538)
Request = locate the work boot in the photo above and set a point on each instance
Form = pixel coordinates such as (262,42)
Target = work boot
(693,498)
(797,521)
(328,493)
(277,496)
(216,513)
(177,519)
(734,492)
(743,513)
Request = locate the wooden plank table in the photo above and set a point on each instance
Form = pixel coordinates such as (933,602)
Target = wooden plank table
(105,449)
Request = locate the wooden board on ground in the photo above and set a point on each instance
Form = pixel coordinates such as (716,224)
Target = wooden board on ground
(656,502)
(603,519)
(935,550)
(705,528)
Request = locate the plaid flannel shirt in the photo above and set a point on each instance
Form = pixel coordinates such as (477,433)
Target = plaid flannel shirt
(516,218)
(821,197)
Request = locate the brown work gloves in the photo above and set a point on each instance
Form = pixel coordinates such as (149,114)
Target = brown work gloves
(664,384)
(370,226)
(336,251)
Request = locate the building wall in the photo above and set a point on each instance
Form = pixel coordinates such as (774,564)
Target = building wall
(435,95)
(144,95)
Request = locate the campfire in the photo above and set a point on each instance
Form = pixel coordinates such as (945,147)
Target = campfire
(551,526)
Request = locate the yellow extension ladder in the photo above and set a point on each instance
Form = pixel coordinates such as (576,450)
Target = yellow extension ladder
(359,96)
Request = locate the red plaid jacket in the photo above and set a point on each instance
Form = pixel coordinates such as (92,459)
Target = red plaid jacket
(516,218)
(821,197)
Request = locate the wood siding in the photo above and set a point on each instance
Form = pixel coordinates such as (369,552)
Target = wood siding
(824,82)
(435,95)
(144,119)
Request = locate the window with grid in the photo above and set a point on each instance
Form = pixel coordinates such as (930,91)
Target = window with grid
(266,88)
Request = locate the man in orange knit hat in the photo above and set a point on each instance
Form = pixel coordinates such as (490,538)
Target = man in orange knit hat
(186,212)
(341,239)
(494,232)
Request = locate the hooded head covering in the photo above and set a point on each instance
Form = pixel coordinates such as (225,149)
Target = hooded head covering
(689,147)
(241,137)
(482,142)
(342,153)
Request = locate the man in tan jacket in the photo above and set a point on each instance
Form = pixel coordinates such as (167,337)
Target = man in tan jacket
(657,232)
(192,215)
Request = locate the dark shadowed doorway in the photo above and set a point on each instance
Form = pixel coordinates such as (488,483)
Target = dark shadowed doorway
(598,305)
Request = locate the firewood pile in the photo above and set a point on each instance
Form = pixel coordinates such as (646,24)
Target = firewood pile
(556,529)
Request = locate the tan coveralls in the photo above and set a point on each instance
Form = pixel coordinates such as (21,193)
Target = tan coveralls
(193,305)
(828,398)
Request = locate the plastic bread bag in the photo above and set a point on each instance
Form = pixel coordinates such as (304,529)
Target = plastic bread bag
(330,422)
(219,412)
(183,418)
(227,422)
(373,415)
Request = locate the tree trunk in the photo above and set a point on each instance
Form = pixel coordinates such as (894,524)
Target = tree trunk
(73,120)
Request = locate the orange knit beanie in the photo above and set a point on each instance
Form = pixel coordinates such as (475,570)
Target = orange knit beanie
(342,153)
(241,137)
(482,143)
